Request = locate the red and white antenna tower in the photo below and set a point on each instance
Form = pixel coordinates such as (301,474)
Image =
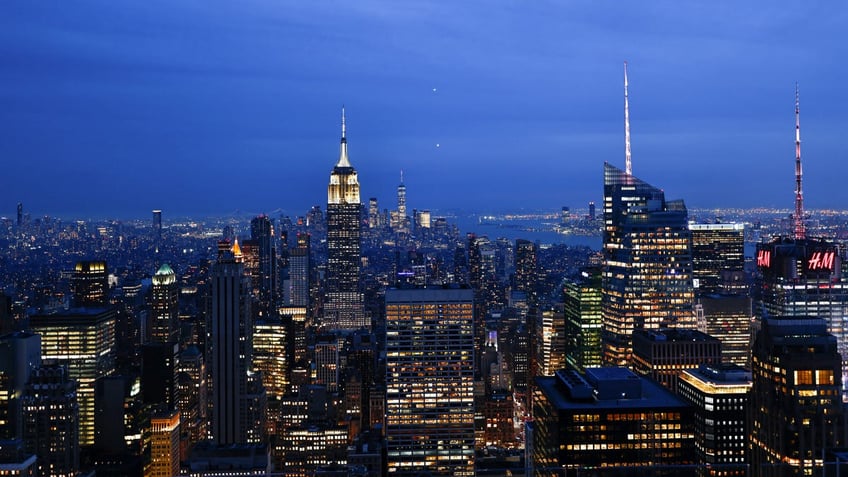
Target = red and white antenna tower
(800,229)
(628,166)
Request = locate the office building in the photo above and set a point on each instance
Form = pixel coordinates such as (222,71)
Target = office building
(20,353)
(796,407)
(343,307)
(165,316)
(430,381)
(583,320)
(208,459)
(297,292)
(718,258)
(157,227)
(51,418)
(647,277)
(552,339)
(803,277)
(720,396)
(270,357)
(229,346)
(663,354)
(262,233)
(526,271)
(159,369)
(90,283)
(728,319)
(164,444)
(193,399)
(608,421)
(83,339)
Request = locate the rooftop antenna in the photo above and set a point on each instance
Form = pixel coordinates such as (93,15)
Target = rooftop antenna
(800,229)
(628,165)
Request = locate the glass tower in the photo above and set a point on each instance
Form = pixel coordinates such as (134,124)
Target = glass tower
(647,277)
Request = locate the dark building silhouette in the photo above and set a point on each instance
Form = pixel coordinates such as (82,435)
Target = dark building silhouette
(262,232)
(610,422)
(663,354)
(796,411)
(51,420)
(718,258)
(90,283)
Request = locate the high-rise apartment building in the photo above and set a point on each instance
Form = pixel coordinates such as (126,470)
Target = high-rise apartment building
(83,339)
(647,278)
(796,406)
(343,307)
(720,395)
(430,381)
(165,306)
(229,345)
(551,339)
(583,320)
(718,258)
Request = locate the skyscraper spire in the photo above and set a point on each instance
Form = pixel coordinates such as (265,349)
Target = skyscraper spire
(343,159)
(800,229)
(628,166)
(401,176)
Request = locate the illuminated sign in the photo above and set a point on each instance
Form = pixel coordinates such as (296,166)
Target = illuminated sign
(821,261)
(764,258)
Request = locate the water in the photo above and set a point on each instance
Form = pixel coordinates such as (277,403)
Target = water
(535,230)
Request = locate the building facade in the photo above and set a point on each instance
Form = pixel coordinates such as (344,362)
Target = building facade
(430,381)
(647,276)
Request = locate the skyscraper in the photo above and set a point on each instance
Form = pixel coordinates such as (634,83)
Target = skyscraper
(526,270)
(400,221)
(647,279)
(229,345)
(157,227)
(583,320)
(796,409)
(82,339)
(343,309)
(262,232)
(165,304)
(430,381)
(51,421)
(718,258)
(20,217)
(90,283)
(297,293)
(164,444)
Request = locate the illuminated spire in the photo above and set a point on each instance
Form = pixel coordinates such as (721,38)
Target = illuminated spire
(343,159)
(401,177)
(628,166)
(237,251)
(800,229)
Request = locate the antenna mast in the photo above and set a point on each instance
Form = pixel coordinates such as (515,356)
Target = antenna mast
(800,229)
(628,166)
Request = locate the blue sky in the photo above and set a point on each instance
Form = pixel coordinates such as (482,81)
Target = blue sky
(204,107)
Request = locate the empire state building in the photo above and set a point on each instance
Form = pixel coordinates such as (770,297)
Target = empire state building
(343,308)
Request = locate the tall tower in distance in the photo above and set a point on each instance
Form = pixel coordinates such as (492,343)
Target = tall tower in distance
(166,294)
(20,214)
(157,227)
(343,308)
(647,251)
(401,221)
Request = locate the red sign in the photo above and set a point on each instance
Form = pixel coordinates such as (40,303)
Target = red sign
(764,258)
(821,261)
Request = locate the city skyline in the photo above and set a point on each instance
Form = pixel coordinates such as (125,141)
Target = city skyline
(115,110)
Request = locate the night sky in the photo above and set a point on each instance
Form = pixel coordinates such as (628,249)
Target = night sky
(111,109)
